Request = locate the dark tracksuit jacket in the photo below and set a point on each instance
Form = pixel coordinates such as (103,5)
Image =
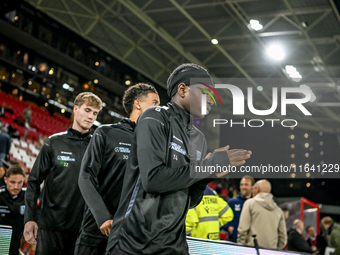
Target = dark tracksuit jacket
(101,177)
(12,214)
(58,163)
(236,204)
(158,189)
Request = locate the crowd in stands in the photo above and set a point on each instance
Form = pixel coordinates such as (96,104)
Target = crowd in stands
(26,119)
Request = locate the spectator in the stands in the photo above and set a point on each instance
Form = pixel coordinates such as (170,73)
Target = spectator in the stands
(9,110)
(333,233)
(296,240)
(27,115)
(316,240)
(2,110)
(28,126)
(19,121)
(13,132)
(2,125)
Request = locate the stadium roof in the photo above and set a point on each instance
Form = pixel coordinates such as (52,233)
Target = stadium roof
(154,37)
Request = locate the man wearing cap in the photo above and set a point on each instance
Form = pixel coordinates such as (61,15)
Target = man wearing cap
(158,189)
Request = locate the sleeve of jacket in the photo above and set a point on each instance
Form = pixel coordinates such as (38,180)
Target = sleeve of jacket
(334,239)
(88,177)
(225,213)
(244,224)
(41,168)
(152,152)
(191,221)
(282,233)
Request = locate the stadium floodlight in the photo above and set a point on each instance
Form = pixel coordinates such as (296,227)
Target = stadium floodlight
(276,52)
(214,41)
(255,25)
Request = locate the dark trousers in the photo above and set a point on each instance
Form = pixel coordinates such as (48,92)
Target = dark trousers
(55,243)
(89,250)
(116,251)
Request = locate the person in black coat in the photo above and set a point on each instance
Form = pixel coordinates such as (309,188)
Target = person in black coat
(316,240)
(296,242)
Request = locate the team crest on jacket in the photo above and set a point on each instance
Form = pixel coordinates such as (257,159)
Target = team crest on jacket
(22,209)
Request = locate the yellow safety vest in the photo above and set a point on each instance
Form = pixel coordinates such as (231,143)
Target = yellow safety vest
(205,220)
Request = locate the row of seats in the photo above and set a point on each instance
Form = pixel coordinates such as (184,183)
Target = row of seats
(41,120)
(19,151)
(26,145)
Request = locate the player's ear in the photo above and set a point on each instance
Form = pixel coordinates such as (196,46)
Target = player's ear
(182,89)
(137,104)
(75,108)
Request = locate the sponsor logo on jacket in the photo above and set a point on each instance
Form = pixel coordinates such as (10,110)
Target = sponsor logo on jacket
(122,149)
(65,158)
(178,148)
(4,211)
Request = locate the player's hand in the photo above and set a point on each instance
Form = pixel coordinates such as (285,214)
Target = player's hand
(231,230)
(105,228)
(237,157)
(30,232)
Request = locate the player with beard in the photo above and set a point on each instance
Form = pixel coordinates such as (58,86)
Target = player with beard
(12,204)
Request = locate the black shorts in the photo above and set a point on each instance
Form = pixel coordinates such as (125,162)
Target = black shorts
(55,243)
(89,250)
(116,251)
(93,246)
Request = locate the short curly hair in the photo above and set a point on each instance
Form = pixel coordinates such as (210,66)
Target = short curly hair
(136,92)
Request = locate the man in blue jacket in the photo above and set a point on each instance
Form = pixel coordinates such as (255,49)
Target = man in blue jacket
(236,204)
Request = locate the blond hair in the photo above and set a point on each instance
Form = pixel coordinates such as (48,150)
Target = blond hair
(89,99)
(327,220)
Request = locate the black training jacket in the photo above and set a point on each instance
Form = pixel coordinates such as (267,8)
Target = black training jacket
(158,190)
(58,163)
(12,214)
(101,177)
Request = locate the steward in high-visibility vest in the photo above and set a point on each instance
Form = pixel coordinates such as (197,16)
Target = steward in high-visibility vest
(206,219)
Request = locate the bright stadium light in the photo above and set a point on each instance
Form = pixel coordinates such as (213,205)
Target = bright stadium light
(275,51)
(255,25)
